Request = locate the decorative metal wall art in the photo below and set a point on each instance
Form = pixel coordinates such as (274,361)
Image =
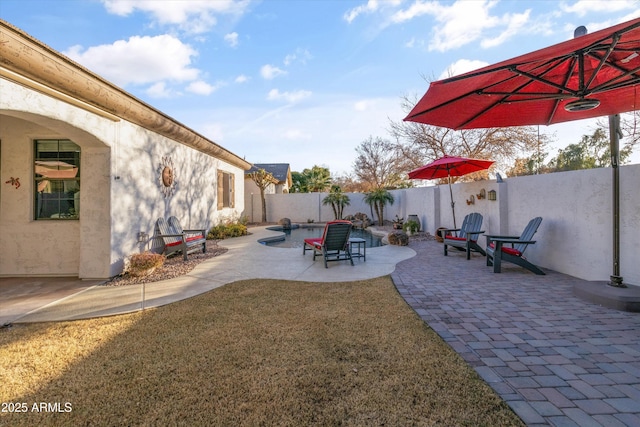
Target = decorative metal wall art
(14,181)
(166,178)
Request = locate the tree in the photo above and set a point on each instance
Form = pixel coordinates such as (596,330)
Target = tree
(378,199)
(630,127)
(419,143)
(338,200)
(349,183)
(318,179)
(298,183)
(378,164)
(593,151)
(263,179)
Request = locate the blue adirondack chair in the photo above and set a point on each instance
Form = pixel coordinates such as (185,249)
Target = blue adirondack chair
(465,237)
(511,248)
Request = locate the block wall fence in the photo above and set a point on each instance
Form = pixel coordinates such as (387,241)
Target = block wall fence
(575,237)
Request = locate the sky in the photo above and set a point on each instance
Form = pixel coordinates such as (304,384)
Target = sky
(302,82)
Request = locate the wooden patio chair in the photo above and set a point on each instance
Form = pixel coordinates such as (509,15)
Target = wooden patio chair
(498,251)
(465,237)
(178,240)
(334,243)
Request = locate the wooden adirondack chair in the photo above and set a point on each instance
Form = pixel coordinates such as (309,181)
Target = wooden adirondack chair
(334,243)
(497,252)
(465,237)
(178,240)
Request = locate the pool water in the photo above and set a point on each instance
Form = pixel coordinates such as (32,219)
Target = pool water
(294,238)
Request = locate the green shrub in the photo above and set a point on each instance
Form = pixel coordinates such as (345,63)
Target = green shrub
(224,231)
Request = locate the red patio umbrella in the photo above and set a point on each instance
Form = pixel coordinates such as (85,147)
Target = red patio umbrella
(589,76)
(448,166)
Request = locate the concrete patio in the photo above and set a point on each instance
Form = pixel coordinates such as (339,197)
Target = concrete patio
(25,300)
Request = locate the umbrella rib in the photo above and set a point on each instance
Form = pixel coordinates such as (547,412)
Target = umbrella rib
(602,60)
(549,83)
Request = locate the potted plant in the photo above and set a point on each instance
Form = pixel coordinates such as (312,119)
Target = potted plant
(440,233)
(411,227)
(398,223)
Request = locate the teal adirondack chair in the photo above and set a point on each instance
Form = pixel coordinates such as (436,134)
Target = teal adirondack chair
(511,248)
(465,237)
(334,243)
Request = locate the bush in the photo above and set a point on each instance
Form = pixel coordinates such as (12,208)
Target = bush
(224,231)
(144,263)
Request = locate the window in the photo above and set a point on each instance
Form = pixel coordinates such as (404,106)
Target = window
(225,190)
(57,179)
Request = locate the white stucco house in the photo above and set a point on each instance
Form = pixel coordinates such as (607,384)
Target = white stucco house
(86,168)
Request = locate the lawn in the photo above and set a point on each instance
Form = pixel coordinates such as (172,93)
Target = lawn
(255,352)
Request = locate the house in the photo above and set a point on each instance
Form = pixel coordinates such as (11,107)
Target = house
(86,168)
(280,171)
(282,181)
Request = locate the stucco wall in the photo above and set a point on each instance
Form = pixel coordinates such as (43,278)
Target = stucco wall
(120,192)
(576,234)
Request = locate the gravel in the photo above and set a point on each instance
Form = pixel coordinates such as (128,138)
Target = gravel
(174,266)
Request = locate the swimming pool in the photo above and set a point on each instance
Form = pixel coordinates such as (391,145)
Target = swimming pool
(294,238)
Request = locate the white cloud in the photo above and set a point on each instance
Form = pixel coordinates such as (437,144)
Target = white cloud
(159,90)
(462,22)
(515,22)
(139,60)
(270,72)
(462,66)
(290,97)
(242,79)
(201,88)
(371,6)
(232,39)
(300,55)
(582,7)
(196,16)
(418,8)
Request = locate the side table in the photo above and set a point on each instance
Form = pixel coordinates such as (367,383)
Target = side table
(361,244)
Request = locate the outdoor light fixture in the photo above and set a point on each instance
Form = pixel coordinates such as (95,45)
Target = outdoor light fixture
(143,237)
(491,195)
(581,105)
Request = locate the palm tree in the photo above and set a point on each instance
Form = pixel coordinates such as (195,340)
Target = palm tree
(338,200)
(318,179)
(378,198)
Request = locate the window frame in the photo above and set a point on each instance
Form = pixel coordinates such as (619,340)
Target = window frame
(63,183)
(226,190)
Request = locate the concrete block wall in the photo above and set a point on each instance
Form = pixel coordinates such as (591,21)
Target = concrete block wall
(576,234)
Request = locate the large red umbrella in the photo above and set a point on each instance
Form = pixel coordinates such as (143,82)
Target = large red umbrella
(589,76)
(448,166)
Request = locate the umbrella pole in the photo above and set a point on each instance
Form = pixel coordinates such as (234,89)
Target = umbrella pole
(453,209)
(614,136)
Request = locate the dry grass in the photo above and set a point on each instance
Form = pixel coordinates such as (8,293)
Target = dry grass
(256,352)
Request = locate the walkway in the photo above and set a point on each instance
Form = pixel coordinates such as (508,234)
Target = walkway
(555,359)
(245,259)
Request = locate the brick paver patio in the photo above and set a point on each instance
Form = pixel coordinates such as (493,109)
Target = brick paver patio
(554,358)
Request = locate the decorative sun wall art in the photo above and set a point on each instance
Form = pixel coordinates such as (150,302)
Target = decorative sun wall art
(166,178)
